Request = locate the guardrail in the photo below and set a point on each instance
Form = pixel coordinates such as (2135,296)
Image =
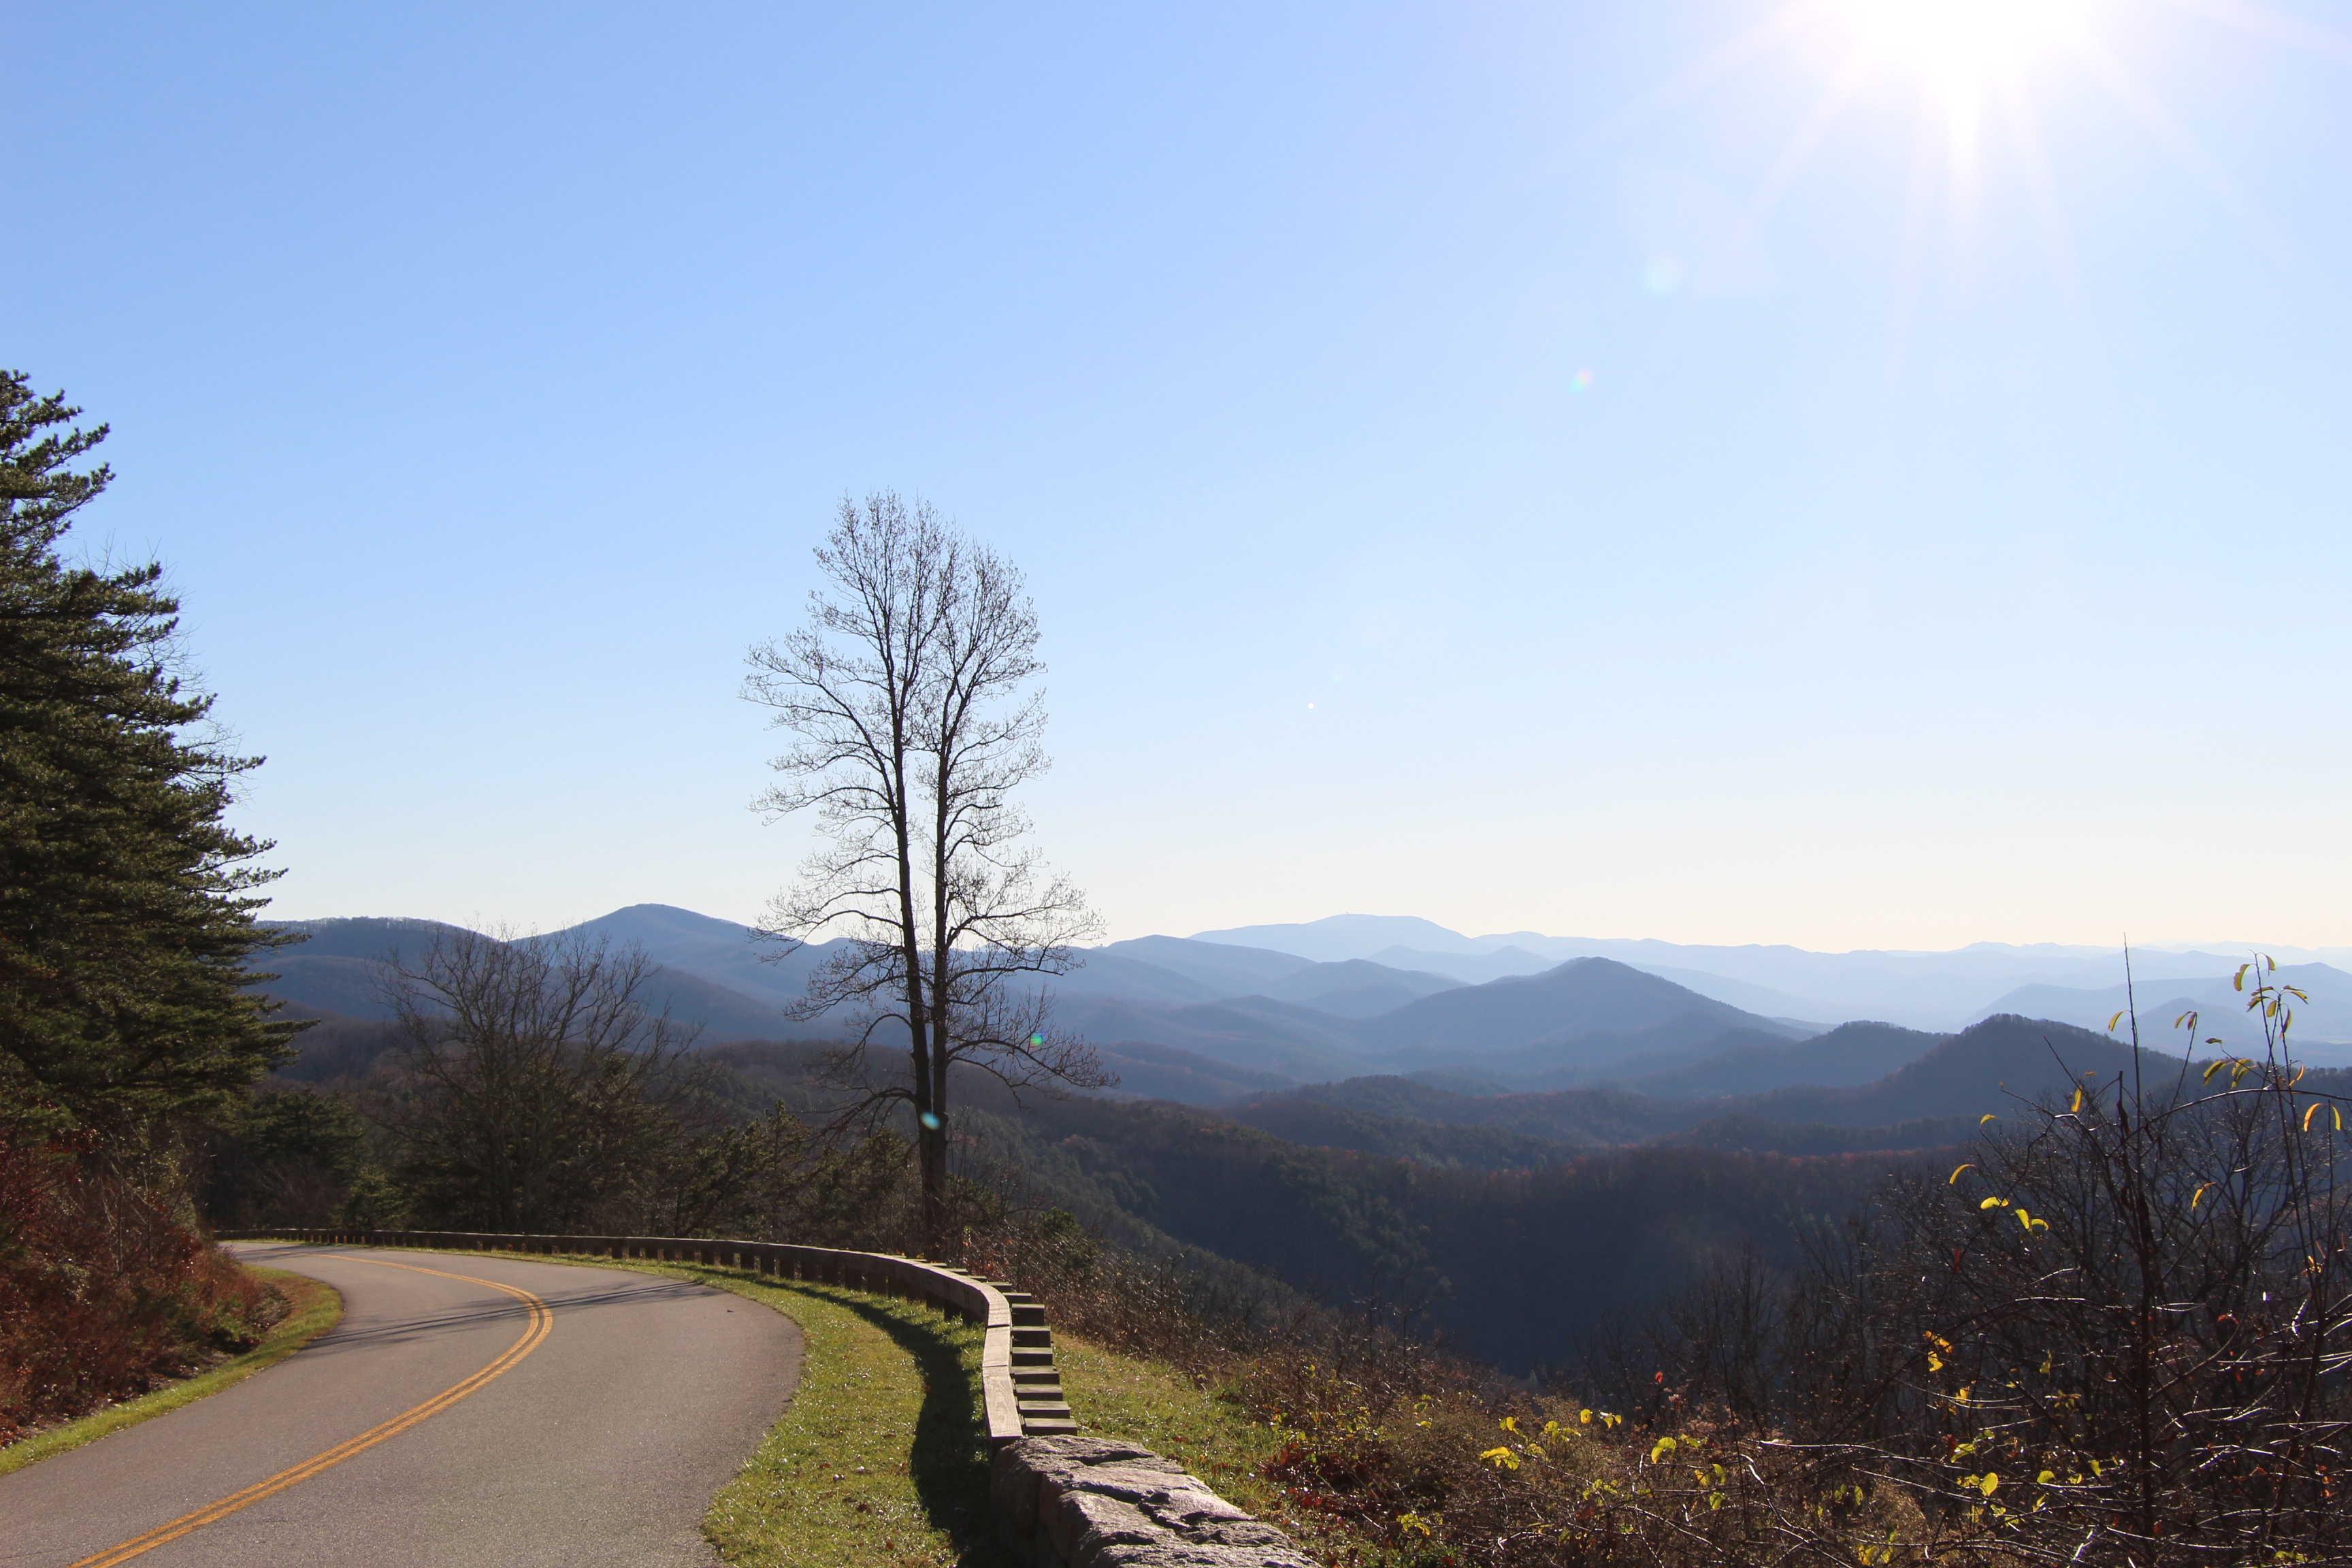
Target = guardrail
(1020,1390)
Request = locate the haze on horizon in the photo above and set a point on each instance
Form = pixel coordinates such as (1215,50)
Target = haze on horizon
(1721,473)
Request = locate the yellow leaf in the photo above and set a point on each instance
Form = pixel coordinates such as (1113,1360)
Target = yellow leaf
(2200,1195)
(2045,1477)
(1501,1458)
(2116,1020)
(1955,1180)
(1585,1416)
(1510,1423)
(1988,1116)
(2078,1101)
(1994,1203)
(1990,1481)
(1660,1449)
(2238,981)
(2217,1066)
(2309,1115)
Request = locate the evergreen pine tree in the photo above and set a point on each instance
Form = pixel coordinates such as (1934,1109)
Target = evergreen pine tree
(128,908)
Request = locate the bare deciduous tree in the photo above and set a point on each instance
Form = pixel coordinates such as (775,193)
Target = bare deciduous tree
(540,1088)
(910,699)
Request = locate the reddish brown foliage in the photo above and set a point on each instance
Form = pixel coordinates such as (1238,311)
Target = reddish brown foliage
(105,1289)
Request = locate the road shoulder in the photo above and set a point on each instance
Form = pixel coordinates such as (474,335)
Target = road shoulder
(313,1306)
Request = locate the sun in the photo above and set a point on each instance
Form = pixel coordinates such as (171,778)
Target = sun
(1961,47)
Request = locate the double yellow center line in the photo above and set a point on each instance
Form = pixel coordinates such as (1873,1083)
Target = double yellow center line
(542,1322)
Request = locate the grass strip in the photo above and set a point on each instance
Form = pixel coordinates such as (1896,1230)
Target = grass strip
(312,1308)
(881,1460)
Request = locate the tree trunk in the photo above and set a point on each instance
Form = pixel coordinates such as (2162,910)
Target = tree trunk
(931,1150)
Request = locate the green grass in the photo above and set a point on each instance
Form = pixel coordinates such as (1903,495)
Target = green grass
(313,1308)
(882,1457)
(1173,1414)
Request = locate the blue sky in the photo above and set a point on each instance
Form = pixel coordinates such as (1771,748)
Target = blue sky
(1482,461)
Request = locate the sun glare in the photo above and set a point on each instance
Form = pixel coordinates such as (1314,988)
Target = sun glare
(1962,46)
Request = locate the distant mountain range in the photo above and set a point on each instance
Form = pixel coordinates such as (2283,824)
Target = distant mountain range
(1213,1021)
(1920,990)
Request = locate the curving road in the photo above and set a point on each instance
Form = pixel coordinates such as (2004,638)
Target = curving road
(467,1410)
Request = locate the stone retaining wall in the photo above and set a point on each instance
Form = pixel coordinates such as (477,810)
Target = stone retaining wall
(1095,1502)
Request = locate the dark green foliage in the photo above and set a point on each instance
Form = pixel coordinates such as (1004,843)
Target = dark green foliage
(1758,1136)
(1587,1117)
(288,1156)
(1302,1120)
(1509,1266)
(126,906)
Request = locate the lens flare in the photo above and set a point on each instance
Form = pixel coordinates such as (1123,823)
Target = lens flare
(1961,45)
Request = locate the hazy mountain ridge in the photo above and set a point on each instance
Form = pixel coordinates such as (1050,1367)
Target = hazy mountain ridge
(1691,1126)
(2221,1008)
(1918,989)
(1215,1022)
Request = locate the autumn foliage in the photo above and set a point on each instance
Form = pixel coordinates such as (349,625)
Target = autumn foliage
(105,1289)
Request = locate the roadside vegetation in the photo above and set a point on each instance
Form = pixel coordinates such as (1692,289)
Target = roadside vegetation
(302,1309)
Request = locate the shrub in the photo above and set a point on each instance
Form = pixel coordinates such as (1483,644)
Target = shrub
(106,1290)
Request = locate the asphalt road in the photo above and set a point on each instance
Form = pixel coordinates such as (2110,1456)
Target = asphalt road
(578,1417)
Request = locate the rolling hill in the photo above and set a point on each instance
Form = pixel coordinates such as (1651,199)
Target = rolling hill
(1581,999)
(1847,1055)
